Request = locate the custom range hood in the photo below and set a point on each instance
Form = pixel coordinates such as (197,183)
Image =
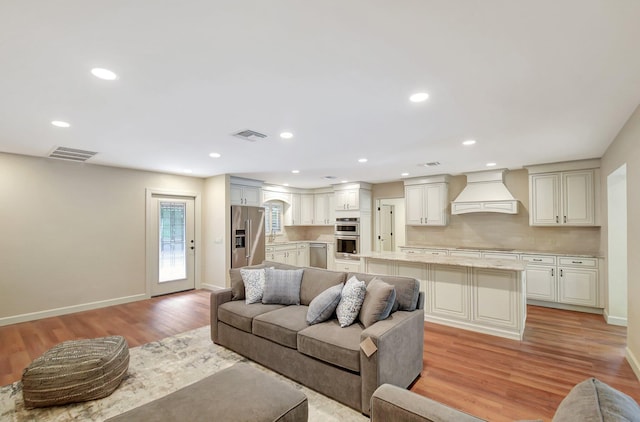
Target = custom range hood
(485,192)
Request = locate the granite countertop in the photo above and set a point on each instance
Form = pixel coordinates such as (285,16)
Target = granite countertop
(506,250)
(500,264)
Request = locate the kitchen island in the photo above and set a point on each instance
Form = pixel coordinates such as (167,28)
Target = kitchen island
(478,294)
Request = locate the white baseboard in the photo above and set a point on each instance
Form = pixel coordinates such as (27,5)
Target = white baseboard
(634,362)
(70,309)
(211,286)
(612,320)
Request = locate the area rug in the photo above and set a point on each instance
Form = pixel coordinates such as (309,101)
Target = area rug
(155,370)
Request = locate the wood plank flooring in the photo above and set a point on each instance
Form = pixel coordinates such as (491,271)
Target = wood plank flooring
(493,378)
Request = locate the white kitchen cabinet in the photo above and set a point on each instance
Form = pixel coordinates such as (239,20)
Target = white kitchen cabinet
(501,255)
(449,291)
(563,198)
(465,254)
(324,209)
(349,266)
(245,195)
(292,212)
(347,199)
(303,254)
(426,204)
(306,209)
(541,277)
(495,295)
(578,281)
(331,256)
(285,253)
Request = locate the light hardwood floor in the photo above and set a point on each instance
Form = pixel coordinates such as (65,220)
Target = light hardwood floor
(493,378)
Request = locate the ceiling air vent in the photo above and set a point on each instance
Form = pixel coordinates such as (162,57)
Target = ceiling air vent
(72,154)
(250,135)
(430,164)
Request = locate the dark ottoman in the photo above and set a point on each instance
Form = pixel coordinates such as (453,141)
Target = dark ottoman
(238,393)
(76,370)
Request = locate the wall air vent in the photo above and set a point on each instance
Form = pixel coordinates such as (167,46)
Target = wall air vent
(250,135)
(71,154)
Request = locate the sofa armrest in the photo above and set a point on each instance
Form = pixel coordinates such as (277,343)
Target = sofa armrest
(218,297)
(399,357)
(391,403)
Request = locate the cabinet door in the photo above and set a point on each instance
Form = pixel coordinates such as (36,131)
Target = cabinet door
(331,256)
(252,195)
(292,212)
(414,205)
(331,209)
(578,198)
(541,283)
(306,209)
(495,297)
(340,200)
(544,207)
(435,205)
(449,291)
(291,257)
(303,255)
(348,266)
(352,199)
(235,193)
(279,256)
(578,286)
(321,209)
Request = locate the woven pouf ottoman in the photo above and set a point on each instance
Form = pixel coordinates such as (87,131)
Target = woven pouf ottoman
(238,393)
(75,371)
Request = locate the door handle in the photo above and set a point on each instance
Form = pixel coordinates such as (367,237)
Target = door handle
(557,219)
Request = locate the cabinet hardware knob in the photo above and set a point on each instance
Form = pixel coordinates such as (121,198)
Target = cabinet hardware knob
(557,219)
(565,218)
(561,275)
(552,272)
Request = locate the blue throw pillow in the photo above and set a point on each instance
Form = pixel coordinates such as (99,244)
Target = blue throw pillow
(324,305)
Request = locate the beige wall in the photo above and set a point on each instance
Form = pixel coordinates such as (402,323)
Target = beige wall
(625,149)
(488,230)
(216,232)
(73,233)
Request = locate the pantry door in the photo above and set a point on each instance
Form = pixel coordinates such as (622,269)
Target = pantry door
(171,243)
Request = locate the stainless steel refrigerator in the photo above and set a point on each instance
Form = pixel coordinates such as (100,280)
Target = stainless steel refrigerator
(247,235)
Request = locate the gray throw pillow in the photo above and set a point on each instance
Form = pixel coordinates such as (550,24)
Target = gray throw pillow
(593,400)
(282,286)
(352,297)
(253,280)
(378,301)
(324,305)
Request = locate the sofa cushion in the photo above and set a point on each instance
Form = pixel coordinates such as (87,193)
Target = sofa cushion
(330,343)
(282,286)
(240,315)
(350,303)
(593,400)
(282,325)
(323,306)
(316,281)
(253,280)
(378,301)
(237,285)
(407,289)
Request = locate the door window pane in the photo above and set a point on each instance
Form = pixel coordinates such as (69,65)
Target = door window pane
(173,247)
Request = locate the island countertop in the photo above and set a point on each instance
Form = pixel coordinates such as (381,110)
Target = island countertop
(491,263)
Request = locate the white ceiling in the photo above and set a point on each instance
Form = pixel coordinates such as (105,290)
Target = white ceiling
(532,81)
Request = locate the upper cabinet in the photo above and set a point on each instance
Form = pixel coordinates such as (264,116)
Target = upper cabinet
(323,209)
(567,197)
(353,197)
(245,192)
(426,201)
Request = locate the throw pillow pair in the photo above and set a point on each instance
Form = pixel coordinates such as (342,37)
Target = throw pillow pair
(269,285)
(354,299)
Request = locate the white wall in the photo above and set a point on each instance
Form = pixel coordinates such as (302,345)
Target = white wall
(217,229)
(616,303)
(73,234)
(625,149)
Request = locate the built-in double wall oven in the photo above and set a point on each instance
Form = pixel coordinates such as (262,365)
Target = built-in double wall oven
(347,237)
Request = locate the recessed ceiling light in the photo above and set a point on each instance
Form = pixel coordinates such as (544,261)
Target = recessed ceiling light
(344,181)
(215,155)
(362,160)
(105,74)
(419,97)
(286,184)
(469,142)
(286,135)
(491,164)
(60,123)
(295,171)
(187,171)
(404,174)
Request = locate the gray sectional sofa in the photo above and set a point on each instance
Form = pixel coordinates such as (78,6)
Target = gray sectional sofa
(325,356)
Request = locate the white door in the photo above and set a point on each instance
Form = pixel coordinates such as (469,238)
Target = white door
(172,244)
(385,233)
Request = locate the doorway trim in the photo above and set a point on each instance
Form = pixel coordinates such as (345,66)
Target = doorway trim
(617,303)
(150,247)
